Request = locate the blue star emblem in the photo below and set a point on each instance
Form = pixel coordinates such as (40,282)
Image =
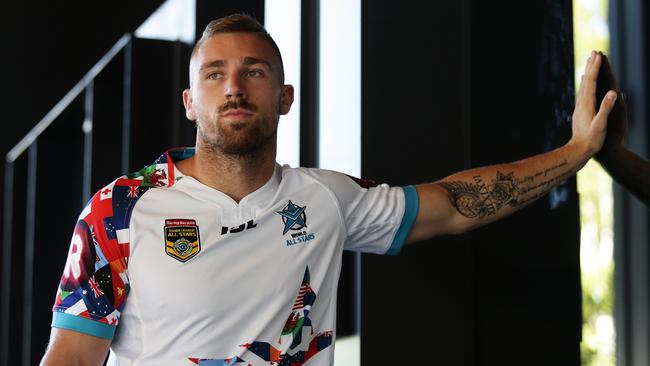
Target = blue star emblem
(293,216)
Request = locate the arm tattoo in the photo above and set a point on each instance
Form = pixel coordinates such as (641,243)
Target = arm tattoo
(479,199)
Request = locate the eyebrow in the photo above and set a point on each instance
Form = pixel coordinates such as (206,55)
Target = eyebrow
(248,61)
(215,63)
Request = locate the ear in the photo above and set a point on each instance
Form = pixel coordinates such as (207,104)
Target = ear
(286,99)
(187,102)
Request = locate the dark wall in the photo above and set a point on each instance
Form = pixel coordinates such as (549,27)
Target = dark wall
(527,266)
(462,84)
(417,308)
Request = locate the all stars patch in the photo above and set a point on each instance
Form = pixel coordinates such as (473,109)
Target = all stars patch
(182,240)
(294,218)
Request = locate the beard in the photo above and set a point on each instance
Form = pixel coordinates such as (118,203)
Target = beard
(240,138)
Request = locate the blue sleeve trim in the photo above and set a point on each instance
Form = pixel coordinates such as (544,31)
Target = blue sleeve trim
(83,325)
(412,204)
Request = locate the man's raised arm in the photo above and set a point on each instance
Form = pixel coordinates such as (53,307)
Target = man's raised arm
(476,197)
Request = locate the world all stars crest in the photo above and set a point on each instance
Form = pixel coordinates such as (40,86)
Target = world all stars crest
(293,216)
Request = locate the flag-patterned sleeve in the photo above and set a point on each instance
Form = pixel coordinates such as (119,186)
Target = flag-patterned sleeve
(94,283)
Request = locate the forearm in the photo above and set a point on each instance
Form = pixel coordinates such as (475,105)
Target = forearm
(479,196)
(630,170)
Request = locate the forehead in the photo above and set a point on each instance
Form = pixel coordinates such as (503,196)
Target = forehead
(234,47)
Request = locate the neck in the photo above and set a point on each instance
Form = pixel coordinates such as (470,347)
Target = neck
(233,175)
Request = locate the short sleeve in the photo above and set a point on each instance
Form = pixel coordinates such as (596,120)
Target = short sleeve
(378,218)
(94,284)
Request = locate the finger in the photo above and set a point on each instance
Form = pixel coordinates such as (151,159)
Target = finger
(581,88)
(606,107)
(592,69)
(589,82)
(596,62)
(590,61)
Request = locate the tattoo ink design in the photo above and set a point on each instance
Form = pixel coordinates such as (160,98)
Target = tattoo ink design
(466,197)
(479,199)
(504,190)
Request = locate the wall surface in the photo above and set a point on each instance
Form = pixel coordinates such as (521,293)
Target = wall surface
(450,86)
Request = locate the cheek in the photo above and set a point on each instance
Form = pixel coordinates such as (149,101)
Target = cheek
(207,102)
(209,91)
(271,102)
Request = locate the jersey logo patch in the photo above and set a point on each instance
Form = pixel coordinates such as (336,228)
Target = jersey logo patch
(293,216)
(182,241)
(295,219)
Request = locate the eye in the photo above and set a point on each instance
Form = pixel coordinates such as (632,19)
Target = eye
(214,76)
(255,73)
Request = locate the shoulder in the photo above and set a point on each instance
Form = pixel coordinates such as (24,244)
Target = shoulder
(112,204)
(159,174)
(327,177)
(345,189)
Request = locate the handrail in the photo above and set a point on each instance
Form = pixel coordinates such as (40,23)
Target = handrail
(44,123)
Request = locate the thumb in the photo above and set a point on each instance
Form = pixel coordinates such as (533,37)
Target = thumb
(606,106)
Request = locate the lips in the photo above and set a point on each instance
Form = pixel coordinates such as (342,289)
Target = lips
(237,113)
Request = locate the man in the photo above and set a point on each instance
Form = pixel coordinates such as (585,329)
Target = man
(228,258)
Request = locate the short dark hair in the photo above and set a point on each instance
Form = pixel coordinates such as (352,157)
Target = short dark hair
(239,23)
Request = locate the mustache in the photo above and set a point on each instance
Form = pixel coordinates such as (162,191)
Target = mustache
(237,103)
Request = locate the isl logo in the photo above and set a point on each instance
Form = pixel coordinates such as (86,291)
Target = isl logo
(182,241)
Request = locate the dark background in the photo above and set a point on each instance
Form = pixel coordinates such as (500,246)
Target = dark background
(446,85)
(490,75)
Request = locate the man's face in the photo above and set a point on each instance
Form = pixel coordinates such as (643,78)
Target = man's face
(235,94)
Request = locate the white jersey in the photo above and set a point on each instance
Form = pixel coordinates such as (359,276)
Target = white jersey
(178,273)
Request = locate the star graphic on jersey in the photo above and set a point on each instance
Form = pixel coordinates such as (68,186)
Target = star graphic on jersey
(293,216)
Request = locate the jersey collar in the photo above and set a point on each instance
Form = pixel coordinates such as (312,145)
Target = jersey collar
(257,199)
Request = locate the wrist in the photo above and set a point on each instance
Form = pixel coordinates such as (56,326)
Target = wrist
(578,153)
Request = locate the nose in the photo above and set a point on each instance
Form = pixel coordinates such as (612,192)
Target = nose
(234,87)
